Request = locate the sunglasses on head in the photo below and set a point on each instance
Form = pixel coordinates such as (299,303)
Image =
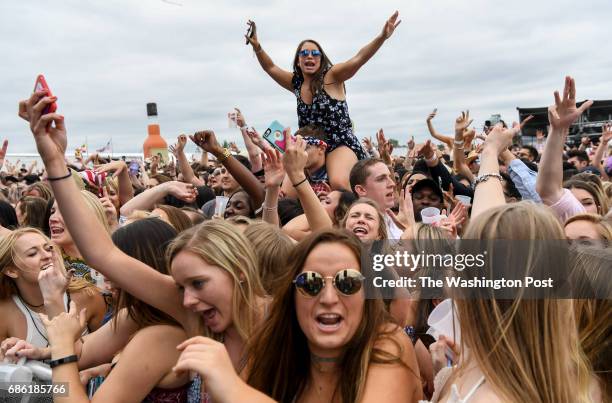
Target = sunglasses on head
(346,282)
(306,53)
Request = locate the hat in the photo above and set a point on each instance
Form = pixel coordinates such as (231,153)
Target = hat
(428,183)
(473,155)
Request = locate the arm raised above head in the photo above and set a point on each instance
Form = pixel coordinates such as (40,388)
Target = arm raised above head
(344,71)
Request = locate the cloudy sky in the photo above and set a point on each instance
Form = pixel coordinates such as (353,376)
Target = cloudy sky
(106,59)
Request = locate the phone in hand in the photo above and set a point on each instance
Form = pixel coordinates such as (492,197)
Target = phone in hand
(250,33)
(134,168)
(41,84)
(275,136)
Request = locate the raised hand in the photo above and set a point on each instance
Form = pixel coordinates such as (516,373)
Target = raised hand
(109,208)
(463,122)
(390,25)
(404,219)
(426,150)
(564,112)
(207,141)
(49,130)
(432,115)
(295,156)
(233,147)
(606,134)
(411,144)
(257,140)
(367,143)
(273,168)
(240,120)
(65,328)
(54,280)
(181,190)
(114,166)
(3,152)
(539,134)
(384,147)
(251,36)
(499,139)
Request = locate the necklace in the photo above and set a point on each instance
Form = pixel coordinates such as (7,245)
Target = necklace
(27,303)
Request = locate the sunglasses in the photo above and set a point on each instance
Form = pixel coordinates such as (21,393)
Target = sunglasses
(346,282)
(218,172)
(306,53)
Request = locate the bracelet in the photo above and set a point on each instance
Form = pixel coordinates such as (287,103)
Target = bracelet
(485,177)
(225,155)
(458,142)
(269,208)
(62,361)
(59,178)
(300,182)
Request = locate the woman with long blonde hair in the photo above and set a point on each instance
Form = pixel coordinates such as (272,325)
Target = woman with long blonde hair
(24,254)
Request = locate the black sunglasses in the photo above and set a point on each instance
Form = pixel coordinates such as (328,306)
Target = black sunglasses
(346,282)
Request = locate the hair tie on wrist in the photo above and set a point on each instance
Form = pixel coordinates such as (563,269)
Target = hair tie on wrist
(300,182)
(59,178)
(62,361)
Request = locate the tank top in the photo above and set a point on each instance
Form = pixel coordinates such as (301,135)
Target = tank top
(36,331)
(441,378)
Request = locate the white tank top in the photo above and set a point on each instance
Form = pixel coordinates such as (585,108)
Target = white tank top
(36,331)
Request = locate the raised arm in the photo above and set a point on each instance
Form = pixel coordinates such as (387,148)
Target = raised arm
(435,134)
(489,192)
(184,166)
(252,149)
(459,164)
(274,175)
(90,237)
(606,136)
(3,153)
(206,139)
(344,71)
(561,116)
(149,198)
(282,77)
(120,168)
(294,161)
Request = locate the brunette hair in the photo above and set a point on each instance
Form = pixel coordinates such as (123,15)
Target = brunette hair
(34,209)
(178,219)
(316,85)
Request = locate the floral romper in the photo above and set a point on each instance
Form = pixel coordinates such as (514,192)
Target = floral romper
(329,114)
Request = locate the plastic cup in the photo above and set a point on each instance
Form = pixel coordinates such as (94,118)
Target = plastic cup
(430,215)
(220,205)
(443,321)
(465,200)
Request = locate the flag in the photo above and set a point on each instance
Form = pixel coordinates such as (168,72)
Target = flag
(107,147)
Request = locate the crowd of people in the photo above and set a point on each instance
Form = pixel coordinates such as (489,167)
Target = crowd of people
(207,281)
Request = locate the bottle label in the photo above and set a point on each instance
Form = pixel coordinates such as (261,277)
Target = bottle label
(162,153)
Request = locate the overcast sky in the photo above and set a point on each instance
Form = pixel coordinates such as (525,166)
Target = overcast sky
(106,59)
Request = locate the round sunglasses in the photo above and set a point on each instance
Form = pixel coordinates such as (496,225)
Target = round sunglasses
(306,53)
(346,282)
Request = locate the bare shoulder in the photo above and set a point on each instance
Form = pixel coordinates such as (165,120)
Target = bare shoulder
(160,333)
(393,340)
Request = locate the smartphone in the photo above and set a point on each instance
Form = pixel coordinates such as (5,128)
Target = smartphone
(274,135)
(249,33)
(41,84)
(134,168)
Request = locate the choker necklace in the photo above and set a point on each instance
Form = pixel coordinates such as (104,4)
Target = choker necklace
(28,304)
(316,358)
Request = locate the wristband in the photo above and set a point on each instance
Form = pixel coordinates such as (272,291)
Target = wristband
(224,156)
(300,182)
(485,177)
(458,142)
(59,178)
(62,361)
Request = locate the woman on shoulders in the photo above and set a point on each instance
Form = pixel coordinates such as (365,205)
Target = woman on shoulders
(321,98)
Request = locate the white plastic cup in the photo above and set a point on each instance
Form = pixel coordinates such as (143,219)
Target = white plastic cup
(443,321)
(220,205)
(465,200)
(430,215)
(232,118)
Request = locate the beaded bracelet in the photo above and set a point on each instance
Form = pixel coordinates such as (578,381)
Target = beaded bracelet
(485,177)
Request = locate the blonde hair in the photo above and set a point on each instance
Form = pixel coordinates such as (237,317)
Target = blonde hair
(604,228)
(382,225)
(272,247)
(94,204)
(8,258)
(527,349)
(222,245)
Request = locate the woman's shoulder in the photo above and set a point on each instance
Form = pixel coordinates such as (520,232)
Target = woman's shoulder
(162,331)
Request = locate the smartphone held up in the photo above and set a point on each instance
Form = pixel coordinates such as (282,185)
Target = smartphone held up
(41,85)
